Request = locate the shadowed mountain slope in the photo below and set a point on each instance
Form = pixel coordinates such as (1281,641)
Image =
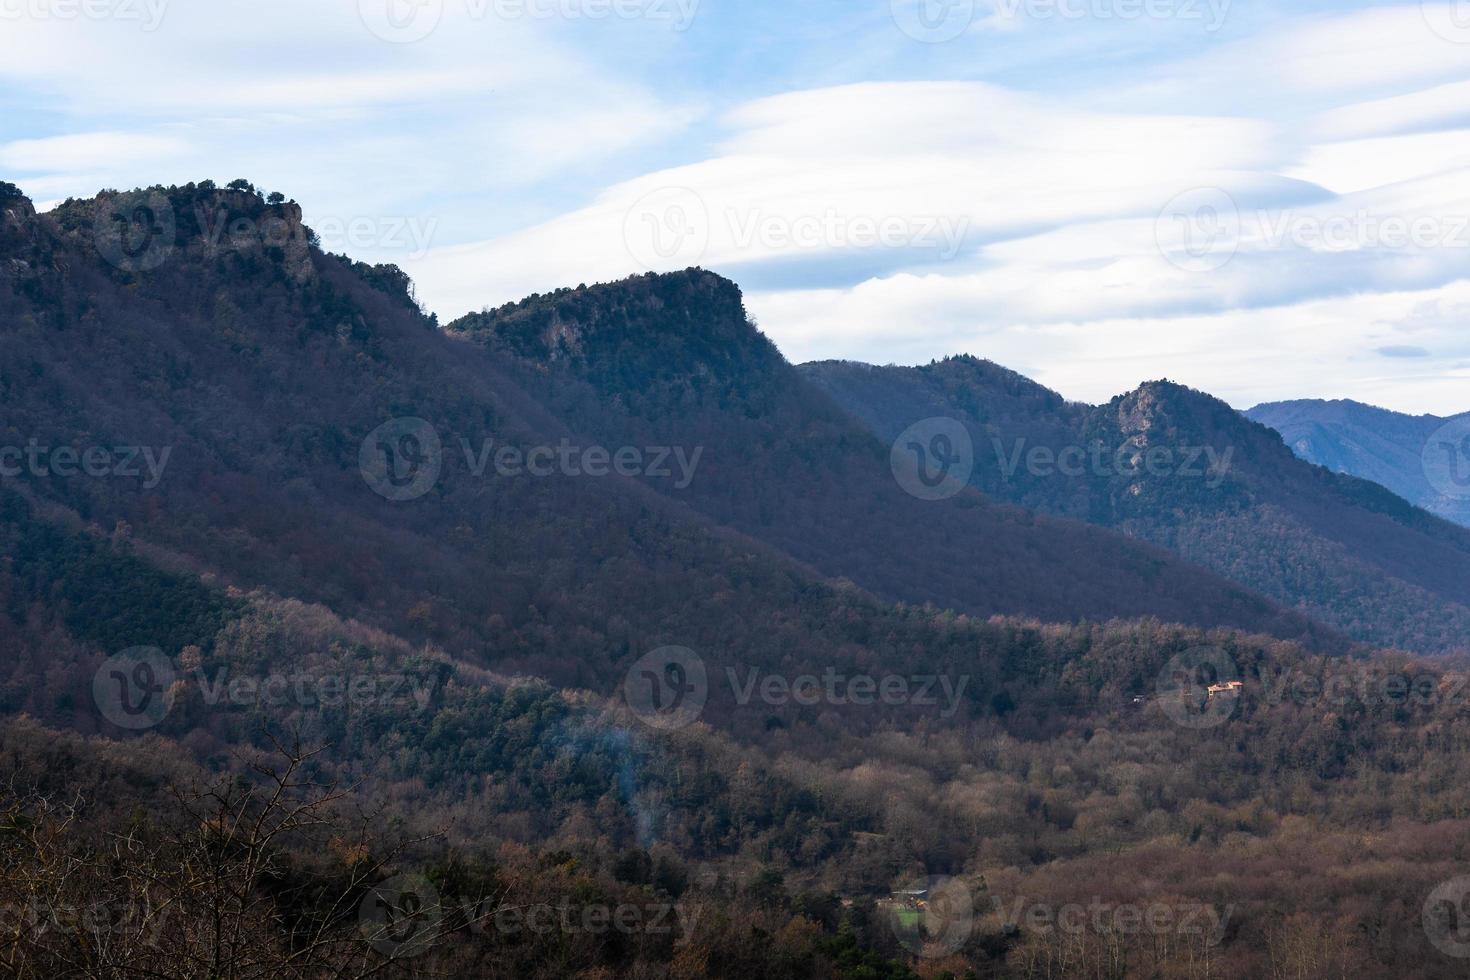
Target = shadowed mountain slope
(1185,471)
(673,360)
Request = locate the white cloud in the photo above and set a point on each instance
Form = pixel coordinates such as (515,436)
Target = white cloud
(304,98)
(891,220)
(1363,51)
(1323,348)
(1062,272)
(1362,164)
(88,152)
(831,174)
(1443,106)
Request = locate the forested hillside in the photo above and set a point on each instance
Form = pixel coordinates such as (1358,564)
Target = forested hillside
(673,360)
(589,638)
(1183,470)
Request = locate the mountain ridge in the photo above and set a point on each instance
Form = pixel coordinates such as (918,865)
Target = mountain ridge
(1340,545)
(1374,443)
(775,433)
(266,381)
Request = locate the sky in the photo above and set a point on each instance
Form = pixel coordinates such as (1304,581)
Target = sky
(1265,201)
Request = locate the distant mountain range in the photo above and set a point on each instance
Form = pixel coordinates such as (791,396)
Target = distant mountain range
(268,371)
(263,365)
(1183,470)
(1386,447)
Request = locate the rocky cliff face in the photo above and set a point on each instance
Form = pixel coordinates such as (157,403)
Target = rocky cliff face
(19,238)
(145,230)
(16,210)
